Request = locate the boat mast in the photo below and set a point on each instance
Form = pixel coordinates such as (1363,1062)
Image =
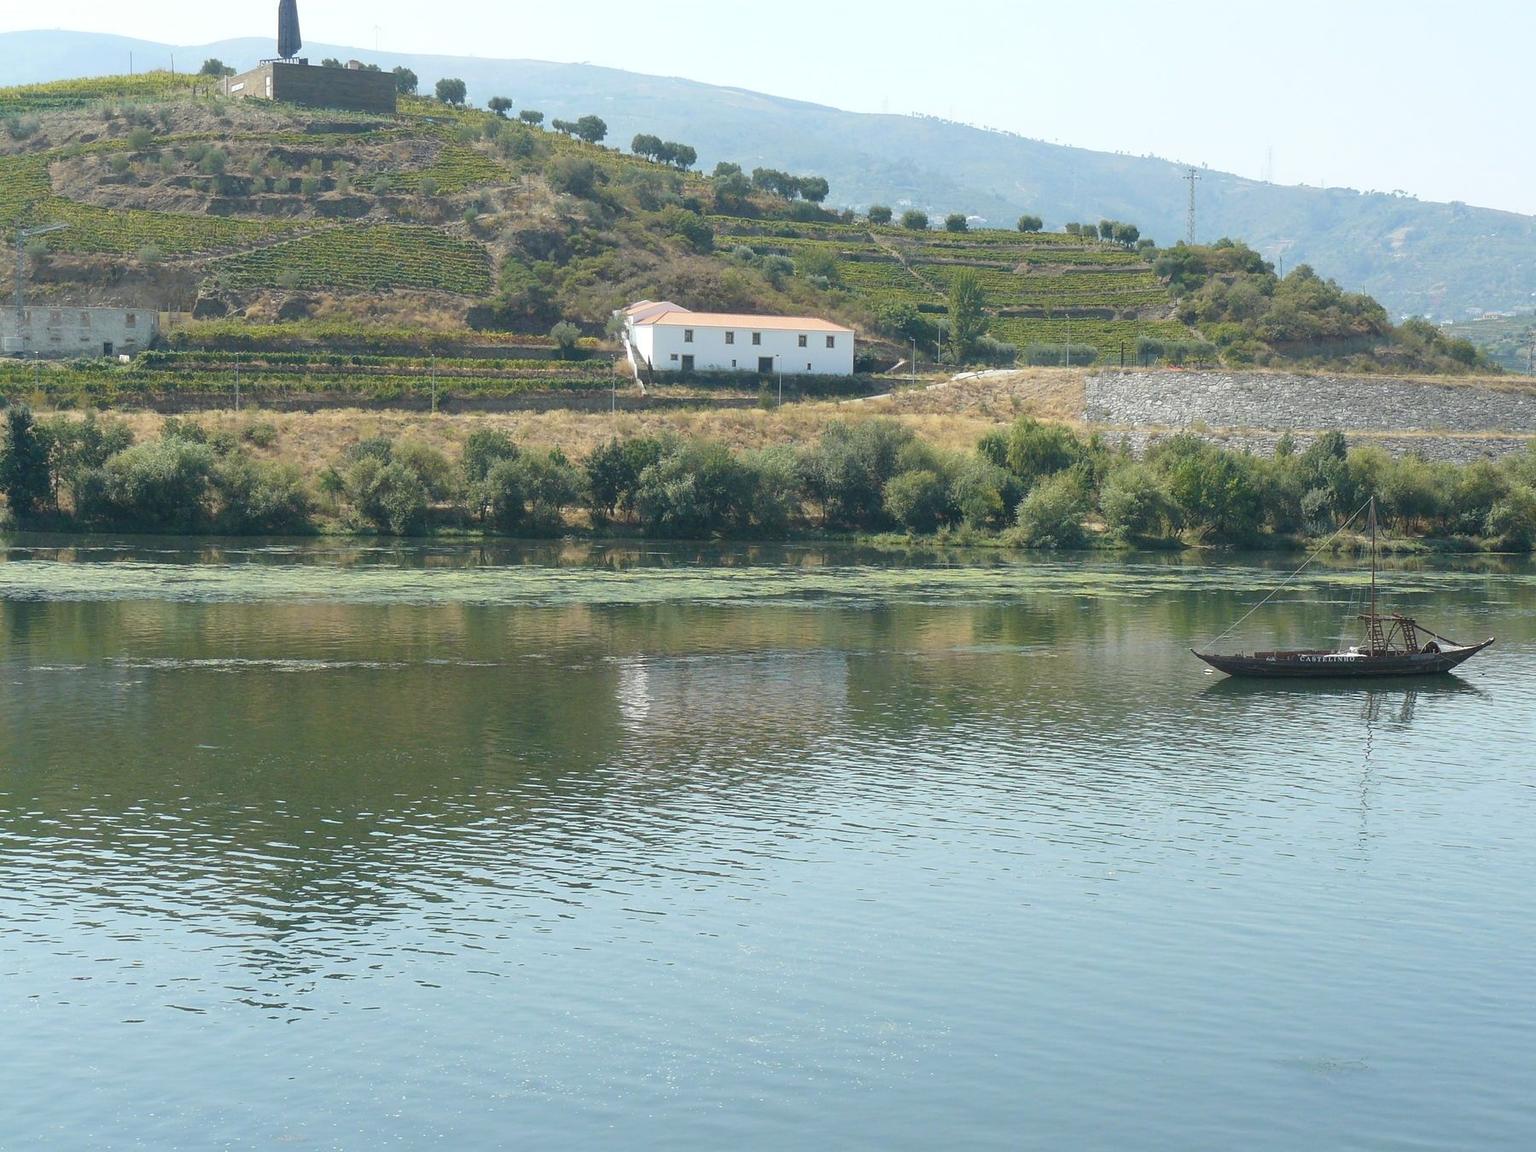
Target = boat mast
(1373,558)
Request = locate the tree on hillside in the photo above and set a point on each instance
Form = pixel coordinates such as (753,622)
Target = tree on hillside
(330,62)
(531,117)
(405,81)
(814,188)
(592,129)
(1107,229)
(914,221)
(1073,228)
(879,214)
(499,105)
(564,127)
(1030,223)
(647,145)
(731,187)
(956,222)
(451,90)
(565,334)
(576,175)
(1127,234)
(777,182)
(967,313)
(680,156)
(213,66)
(1088,231)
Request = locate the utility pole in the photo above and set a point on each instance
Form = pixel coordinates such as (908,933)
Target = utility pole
(1192,174)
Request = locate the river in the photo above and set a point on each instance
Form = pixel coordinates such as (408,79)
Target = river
(580,847)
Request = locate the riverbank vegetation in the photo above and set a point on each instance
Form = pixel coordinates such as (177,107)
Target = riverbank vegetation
(1029,484)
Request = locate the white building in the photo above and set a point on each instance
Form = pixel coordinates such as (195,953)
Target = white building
(62,333)
(672,339)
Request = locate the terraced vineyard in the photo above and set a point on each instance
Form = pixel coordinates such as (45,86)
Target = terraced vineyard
(27,198)
(276,200)
(456,168)
(1041,287)
(366,258)
(195,378)
(95,90)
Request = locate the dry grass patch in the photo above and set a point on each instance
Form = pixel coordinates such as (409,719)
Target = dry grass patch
(952,416)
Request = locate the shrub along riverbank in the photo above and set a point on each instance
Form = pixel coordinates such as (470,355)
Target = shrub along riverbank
(1030,484)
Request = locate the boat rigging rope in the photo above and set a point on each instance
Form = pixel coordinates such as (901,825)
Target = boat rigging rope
(1284,583)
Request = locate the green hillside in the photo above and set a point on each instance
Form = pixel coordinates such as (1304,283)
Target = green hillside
(1508,341)
(336,249)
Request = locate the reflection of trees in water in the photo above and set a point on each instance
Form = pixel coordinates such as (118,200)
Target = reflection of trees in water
(307,770)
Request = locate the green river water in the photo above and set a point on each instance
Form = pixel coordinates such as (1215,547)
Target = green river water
(577,847)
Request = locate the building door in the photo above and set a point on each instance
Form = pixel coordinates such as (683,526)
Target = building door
(765,365)
(106,348)
(687,363)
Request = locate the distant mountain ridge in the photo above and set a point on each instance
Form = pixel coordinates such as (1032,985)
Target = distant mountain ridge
(1416,257)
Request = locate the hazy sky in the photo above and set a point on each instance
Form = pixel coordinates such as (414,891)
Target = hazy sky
(1429,97)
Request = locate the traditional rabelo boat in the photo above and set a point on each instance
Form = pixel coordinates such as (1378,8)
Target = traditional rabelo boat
(1394,645)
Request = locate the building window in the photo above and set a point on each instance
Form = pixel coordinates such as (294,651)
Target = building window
(674,357)
(831,341)
(807,367)
(757,337)
(133,320)
(804,339)
(733,363)
(730,337)
(687,335)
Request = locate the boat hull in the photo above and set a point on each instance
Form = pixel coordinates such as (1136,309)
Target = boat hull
(1337,666)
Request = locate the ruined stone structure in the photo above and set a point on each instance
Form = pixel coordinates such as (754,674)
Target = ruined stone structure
(65,333)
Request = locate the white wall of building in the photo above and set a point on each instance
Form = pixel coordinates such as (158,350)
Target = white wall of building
(790,351)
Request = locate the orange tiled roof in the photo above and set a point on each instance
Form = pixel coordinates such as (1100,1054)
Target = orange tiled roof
(685,319)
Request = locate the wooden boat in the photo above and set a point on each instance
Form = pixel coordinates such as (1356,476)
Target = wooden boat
(1394,645)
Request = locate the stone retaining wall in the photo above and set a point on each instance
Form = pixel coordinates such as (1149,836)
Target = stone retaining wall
(1439,421)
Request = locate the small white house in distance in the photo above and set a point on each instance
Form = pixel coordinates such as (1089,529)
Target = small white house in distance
(672,339)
